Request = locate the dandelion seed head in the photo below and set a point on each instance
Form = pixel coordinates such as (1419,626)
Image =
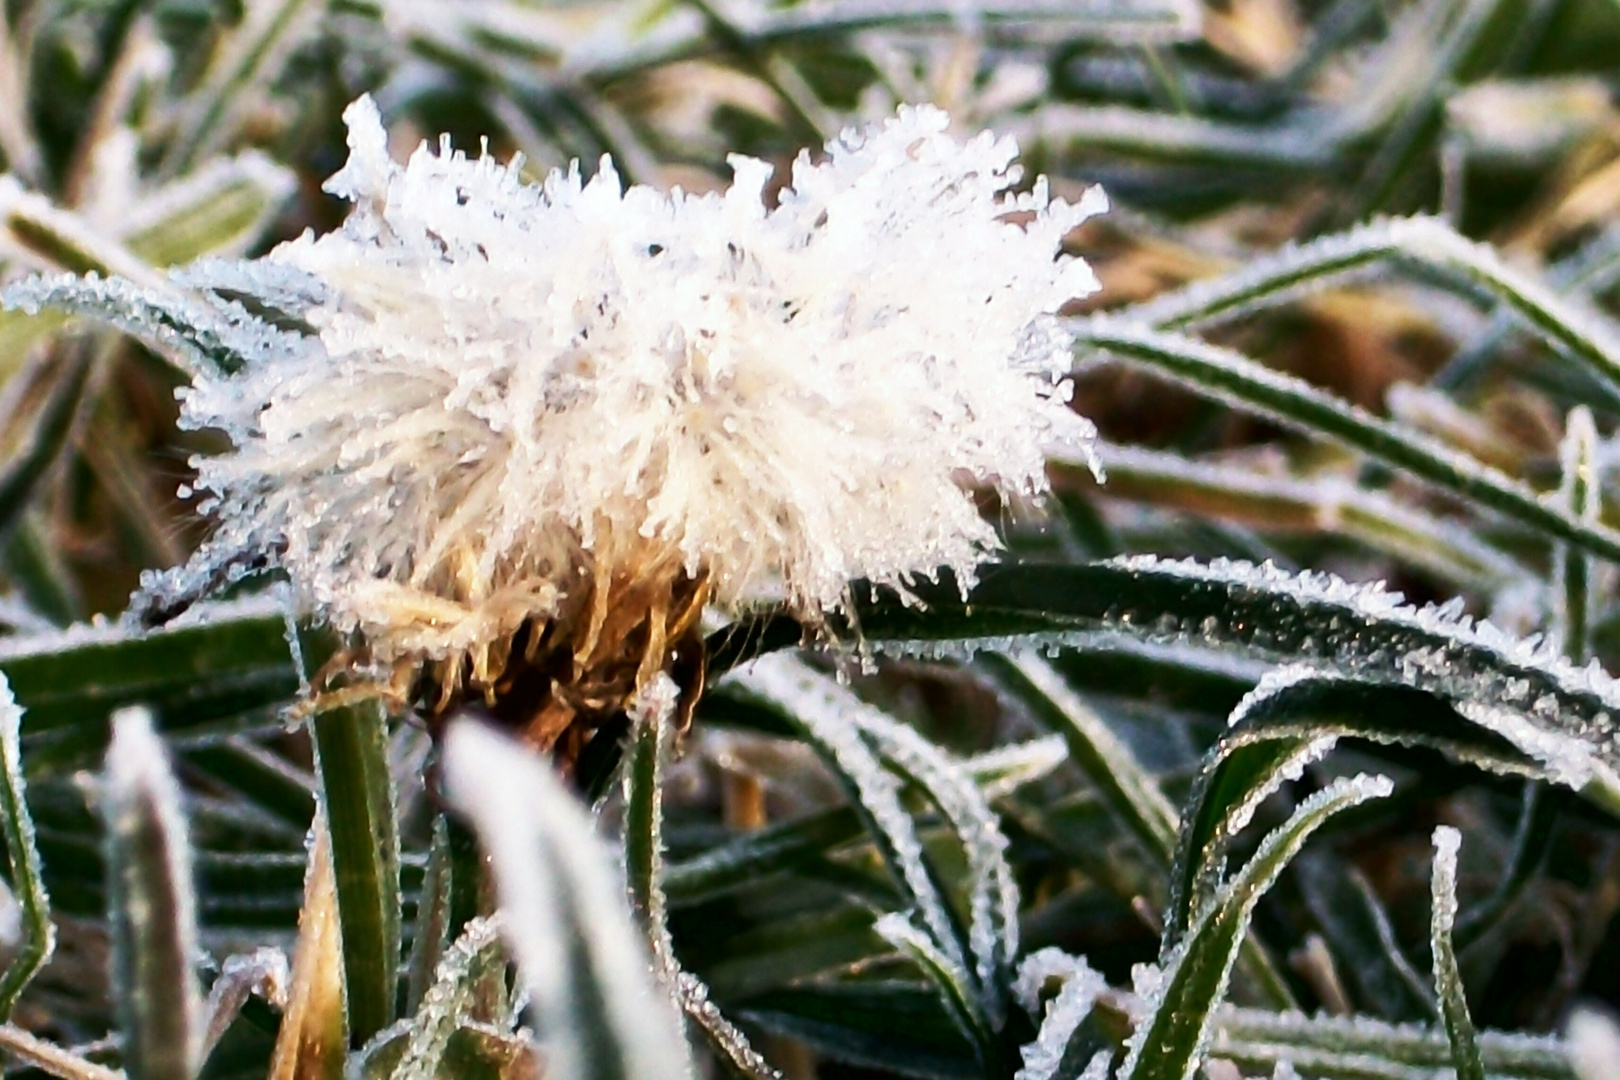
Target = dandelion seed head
(521,389)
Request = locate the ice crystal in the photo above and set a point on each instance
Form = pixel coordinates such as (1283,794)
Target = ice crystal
(1063,1016)
(521,392)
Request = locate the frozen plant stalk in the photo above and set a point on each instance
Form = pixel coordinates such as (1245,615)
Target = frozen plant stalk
(543,426)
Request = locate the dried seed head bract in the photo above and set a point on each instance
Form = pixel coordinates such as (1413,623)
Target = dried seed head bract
(537,429)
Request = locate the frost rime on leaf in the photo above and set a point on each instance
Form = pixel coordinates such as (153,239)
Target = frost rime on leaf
(1081,986)
(1523,689)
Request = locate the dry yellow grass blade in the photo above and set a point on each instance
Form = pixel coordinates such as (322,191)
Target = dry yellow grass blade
(312,1042)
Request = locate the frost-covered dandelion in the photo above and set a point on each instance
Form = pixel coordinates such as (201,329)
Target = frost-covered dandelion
(545,426)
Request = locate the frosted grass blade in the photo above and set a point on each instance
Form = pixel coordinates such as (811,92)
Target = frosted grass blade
(57,237)
(159,315)
(958,995)
(50,1058)
(1447,978)
(1564,324)
(22,854)
(222,660)
(992,892)
(220,209)
(1517,692)
(744,860)
(644,869)
(1228,376)
(822,713)
(1573,598)
(152,906)
(263,972)
(1093,747)
(455,985)
(1313,505)
(1289,721)
(1170,1041)
(430,936)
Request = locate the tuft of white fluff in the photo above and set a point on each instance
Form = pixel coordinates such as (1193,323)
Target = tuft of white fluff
(517,387)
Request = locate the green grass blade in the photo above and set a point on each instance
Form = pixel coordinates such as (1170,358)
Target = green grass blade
(1287,724)
(644,868)
(357,794)
(1114,771)
(1169,1042)
(22,854)
(1465,1057)
(1573,599)
(1429,242)
(802,842)
(959,995)
(1229,376)
(228,659)
(1107,762)
(1558,716)
(1446,549)
(429,937)
(153,909)
(220,209)
(60,238)
(158,315)
(1362,1048)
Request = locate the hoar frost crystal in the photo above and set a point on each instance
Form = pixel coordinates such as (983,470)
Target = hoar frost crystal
(544,426)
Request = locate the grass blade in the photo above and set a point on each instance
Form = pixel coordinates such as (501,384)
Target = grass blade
(1557,720)
(822,714)
(1573,599)
(957,994)
(1229,376)
(1447,979)
(224,660)
(1368,1049)
(1287,722)
(153,908)
(51,1059)
(644,870)
(357,798)
(311,1044)
(455,986)
(1429,242)
(1169,1043)
(1107,762)
(38,932)
(743,860)
(1307,506)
